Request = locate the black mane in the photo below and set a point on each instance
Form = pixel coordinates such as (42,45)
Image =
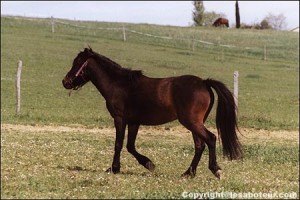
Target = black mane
(115,69)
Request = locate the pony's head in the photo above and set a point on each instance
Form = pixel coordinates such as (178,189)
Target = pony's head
(78,76)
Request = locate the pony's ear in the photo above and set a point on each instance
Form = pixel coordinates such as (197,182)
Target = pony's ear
(90,48)
(88,51)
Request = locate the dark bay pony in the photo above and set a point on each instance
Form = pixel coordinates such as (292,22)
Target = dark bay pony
(221,21)
(133,99)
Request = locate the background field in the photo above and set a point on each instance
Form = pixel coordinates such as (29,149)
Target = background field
(268,90)
(60,146)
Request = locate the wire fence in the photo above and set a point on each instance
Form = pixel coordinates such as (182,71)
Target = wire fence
(191,42)
(176,37)
(124,30)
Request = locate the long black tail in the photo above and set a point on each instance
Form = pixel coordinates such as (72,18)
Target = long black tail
(226,120)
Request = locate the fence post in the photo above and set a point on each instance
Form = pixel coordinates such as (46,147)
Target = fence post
(18,87)
(236,88)
(193,44)
(52,24)
(265,52)
(222,55)
(124,34)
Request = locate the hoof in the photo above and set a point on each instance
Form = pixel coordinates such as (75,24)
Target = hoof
(114,170)
(189,173)
(150,166)
(219,174)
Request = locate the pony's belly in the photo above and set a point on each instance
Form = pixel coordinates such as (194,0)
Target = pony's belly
(157,121)
(154,118)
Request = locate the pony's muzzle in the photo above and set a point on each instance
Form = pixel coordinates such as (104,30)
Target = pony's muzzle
(66,83)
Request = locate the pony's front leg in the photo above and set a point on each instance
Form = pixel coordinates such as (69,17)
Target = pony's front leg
(143,160)
(120,126)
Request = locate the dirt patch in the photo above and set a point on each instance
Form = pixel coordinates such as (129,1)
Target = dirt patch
(179,131)
(52,128)
(270,134)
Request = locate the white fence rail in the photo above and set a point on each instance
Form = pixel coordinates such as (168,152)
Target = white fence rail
(124,30)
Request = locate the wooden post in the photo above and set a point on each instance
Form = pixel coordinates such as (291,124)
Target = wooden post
(265,52)
(222,54)
(193,44)
(124,34)
(18,87)
(236,87)
(52,23)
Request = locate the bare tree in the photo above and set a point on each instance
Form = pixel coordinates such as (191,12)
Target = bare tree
(277,22)
(237,15)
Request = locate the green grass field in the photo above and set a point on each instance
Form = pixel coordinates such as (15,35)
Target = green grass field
(54,163)
(268,90)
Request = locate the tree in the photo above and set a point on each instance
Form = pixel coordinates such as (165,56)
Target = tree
(277,22)
(198,13)
(237,15)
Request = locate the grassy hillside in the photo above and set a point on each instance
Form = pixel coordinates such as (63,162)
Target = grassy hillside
(268,90)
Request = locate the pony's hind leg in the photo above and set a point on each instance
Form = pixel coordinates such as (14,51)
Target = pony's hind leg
(210,140)
(143,160)
(199,148)
(201,135)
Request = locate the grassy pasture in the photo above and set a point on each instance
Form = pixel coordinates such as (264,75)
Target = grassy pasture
(56,162)
(268,90)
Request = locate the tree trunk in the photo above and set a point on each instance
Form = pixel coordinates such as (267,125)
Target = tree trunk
(237,15)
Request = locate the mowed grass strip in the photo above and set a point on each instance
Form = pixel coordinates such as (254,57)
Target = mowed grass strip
(37,163)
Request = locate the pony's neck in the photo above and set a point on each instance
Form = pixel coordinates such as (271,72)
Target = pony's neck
(106,75)
(100,78)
